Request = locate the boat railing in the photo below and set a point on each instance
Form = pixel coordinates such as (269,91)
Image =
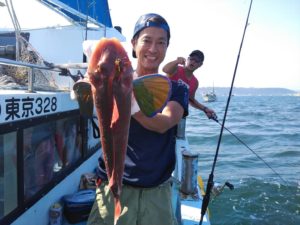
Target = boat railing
(61,69)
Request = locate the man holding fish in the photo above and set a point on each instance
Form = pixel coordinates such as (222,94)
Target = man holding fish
(141,165)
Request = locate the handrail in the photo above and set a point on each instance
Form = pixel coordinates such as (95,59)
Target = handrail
(53,67)
(61,68)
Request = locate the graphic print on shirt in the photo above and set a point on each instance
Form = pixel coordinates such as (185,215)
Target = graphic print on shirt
(181,82)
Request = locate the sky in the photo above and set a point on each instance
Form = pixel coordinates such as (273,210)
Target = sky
(270,55)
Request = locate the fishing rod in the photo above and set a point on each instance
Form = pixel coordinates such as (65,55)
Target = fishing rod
(215,119)
(210,181)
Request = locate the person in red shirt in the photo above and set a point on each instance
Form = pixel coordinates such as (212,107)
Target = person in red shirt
(182,70)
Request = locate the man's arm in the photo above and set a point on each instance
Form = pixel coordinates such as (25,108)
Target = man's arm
(161,122)
(171,67)
(209,112)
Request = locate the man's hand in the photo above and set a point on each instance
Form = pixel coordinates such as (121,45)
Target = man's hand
(181,60)
(210,113)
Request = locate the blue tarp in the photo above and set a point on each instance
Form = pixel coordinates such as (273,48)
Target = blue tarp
(96,9)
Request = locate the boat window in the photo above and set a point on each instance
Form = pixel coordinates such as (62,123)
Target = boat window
(39,157)
(38,153)
(48,149)
(8,173)
(68,141)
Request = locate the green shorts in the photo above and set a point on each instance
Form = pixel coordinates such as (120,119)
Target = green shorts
(140,206)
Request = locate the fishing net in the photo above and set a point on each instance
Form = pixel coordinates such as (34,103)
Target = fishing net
(12,77)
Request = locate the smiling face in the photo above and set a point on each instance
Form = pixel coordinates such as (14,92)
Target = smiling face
(150,47)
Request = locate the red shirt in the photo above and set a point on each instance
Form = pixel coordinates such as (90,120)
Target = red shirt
(192,83)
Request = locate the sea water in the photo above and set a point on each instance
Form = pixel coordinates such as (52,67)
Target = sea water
(269,129)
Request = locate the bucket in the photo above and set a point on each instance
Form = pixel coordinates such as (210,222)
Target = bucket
(55,214)
(189,173)
(181,129)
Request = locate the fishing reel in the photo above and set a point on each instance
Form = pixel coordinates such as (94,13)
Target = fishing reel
(218,188)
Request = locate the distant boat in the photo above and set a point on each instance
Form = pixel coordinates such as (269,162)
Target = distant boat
(210,96)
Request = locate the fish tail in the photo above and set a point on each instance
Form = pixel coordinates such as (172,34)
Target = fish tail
(116,191)
(117,210)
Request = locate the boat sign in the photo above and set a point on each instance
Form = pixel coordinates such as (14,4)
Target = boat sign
(19,105)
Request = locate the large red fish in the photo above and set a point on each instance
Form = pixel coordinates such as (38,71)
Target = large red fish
(110,73)
(110,90)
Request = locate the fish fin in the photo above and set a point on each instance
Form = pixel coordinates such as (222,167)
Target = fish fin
(152,93)
(117,210)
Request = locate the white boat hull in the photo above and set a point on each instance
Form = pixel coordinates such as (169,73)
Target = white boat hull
(209,97)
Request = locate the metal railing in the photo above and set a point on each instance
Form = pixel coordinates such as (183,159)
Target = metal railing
(62,69)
